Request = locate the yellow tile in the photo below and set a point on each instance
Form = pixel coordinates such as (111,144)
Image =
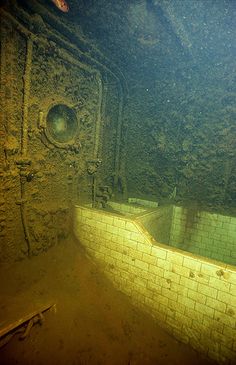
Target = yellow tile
(229,332)
(169,294)
(183,320)
(144,248)
(194,314)
(204,309)
(207,290)
(189,283)
(212,324)
(112,229)
(164,264)
(159,252)
(219,284)
(172,276)
(135,255)
(197,296)
(135,236)
(175,258)
(216,304)
(131,227)
(140,264)
(226,319)
(156,270)
(232,289)
(153,287)
(192,264)
(185,301)
(140,281)
(108,220)
(150,259)
(179,307)
(181,270)
(179,289)
(226,298)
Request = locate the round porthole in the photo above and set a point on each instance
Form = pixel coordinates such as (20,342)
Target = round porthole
(61,125)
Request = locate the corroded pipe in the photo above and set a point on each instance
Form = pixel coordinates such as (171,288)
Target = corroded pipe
(98,121)
(24,162)
(24,140)
(23,215)
(118,137)
(26,93)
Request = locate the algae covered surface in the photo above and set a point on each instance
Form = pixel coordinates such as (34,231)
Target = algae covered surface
(179,62)
(152,85)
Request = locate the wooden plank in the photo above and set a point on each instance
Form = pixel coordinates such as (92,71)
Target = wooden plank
(13,325)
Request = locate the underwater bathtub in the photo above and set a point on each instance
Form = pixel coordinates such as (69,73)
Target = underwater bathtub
(196,231)
(121,208)
(202,233)
(199,232)
(152,254)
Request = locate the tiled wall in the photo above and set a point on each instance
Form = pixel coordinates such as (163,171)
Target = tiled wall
(158,223)
(126,209)
(143,202)
(203,233)
(193,298)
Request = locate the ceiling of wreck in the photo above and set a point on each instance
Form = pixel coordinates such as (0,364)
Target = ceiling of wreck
(144,33)
(152,37)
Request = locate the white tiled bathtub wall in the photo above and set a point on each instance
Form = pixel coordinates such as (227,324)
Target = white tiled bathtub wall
(143,202)
(206,234)
(126,209)
(192,297)
(158,223)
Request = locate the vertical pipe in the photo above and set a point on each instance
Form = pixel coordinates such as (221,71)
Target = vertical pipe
(3,161)
(24,140)
(118,137)
(23,218)
(98,120)
(26,93)
(3,90)
(97,134)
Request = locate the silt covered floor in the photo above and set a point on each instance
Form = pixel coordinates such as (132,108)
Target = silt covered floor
(93,323)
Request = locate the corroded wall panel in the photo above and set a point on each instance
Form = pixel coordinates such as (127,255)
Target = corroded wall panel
(51,175)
